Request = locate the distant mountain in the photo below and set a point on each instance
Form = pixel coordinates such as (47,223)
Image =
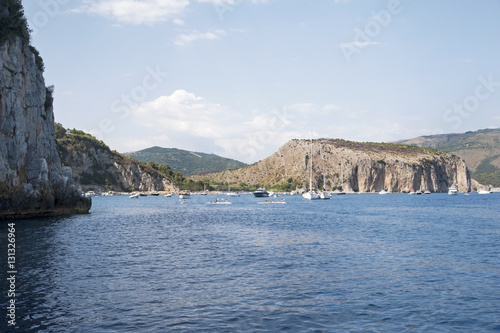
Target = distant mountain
(479,149)
(186,162)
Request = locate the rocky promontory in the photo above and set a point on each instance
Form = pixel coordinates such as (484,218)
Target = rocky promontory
(352,166)
(98,168)
(33,182)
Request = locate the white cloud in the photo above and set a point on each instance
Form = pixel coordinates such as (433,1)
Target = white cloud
(148,11)
(136,12)
(187,39)
(187,121)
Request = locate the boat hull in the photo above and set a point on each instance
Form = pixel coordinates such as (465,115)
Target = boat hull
(261,193)
(310,196)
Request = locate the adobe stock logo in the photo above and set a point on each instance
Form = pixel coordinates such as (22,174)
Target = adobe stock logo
(460,111)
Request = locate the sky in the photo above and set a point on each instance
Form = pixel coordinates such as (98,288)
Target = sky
(239,78)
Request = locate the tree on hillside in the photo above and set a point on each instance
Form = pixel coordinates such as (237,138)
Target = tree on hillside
(12,21)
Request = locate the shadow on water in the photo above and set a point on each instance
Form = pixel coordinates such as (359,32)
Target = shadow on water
(37,248)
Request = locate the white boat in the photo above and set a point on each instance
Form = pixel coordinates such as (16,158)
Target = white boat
(453,190)
(185,195)
(483,192)
(311,195)
(261,193)
(427,192)
(324,195)
(134,195)
(168,195)
(383,192)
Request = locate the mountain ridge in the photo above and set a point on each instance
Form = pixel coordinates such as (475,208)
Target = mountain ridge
(184,161)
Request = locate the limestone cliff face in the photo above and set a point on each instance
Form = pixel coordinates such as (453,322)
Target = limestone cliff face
(95,167)
(32,180)
(356,167)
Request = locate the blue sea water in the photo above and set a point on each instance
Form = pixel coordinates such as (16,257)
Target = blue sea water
(356,263)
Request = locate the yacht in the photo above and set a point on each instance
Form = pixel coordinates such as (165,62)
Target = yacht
(261,193)
(453,190)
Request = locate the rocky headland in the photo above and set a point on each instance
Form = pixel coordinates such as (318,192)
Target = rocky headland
(33,182)
(352,166)
(98,168)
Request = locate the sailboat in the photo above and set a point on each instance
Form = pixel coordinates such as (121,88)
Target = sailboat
(311,195)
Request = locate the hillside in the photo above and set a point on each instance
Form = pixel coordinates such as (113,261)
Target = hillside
(186,162)
(356,167)
(96,167)
(479,149)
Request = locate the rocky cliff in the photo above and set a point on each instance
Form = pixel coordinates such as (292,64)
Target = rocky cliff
(356,167)
(98,168)
(33,181)
(479,149)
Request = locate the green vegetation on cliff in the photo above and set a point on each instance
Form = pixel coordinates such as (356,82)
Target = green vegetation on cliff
(12,21)
(94,163)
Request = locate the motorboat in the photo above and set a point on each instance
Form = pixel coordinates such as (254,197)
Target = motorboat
(261,193)
(383,192)
(483,192)
(134,195)
(452,190)
(185,195)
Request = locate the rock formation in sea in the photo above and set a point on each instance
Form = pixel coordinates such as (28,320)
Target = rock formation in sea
(356,167)
(33,182)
